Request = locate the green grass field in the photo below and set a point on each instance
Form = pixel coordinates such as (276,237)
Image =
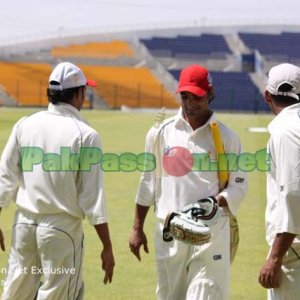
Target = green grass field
(133,280)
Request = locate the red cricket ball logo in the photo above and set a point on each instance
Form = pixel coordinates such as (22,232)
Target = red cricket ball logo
(177,161)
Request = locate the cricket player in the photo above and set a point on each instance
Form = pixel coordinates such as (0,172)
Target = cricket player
(46,169)
(186,271)
(281,272)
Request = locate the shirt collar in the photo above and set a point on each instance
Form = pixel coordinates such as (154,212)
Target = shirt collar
(282,117)
(65,109)
(180,122)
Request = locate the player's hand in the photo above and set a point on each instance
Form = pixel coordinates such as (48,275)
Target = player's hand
(2,244)
(108,264)
(136,240)
(270,273)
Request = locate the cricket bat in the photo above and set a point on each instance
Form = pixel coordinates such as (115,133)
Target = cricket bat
(223,180)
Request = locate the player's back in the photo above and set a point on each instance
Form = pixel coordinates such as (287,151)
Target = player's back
(50,143)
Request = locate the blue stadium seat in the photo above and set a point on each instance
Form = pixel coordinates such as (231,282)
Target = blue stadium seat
(285,45)
(182,45)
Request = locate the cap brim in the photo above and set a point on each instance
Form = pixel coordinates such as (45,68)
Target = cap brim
(91,83)
(192,89)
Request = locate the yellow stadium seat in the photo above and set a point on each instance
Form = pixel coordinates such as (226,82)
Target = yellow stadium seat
(129,86)
(25,82)
(109,50)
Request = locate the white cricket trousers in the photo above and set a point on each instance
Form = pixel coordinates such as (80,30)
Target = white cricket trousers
(45,260)
(289,288)
(194,272)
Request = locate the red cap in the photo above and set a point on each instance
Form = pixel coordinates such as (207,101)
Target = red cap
(194,79)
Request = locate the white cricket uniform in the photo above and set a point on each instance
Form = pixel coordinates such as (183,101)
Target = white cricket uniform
(283,196)
(47,238)
(184,271)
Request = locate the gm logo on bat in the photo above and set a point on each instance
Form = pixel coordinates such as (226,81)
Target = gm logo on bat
(239,180)
(217,257)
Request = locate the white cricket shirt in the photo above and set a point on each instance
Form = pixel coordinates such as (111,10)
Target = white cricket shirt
(172,193)
(283,180)
(78,193)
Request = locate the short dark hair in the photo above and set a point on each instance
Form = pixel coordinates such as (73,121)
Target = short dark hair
(211,96)
(284,100)
(65,96)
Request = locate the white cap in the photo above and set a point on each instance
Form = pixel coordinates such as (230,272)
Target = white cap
(68,76)
(284,73)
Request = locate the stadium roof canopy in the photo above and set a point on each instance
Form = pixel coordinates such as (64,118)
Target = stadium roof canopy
(36,18)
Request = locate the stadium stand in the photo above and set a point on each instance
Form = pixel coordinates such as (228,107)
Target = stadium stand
(117,86)
(284,46)
(128,86)
(182,46)
(234,91)
(107,50)
(5,100)
(26,82)
(135,72)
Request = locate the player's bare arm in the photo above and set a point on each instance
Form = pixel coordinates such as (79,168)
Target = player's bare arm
(107,257)
(138,237)
(269,276)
